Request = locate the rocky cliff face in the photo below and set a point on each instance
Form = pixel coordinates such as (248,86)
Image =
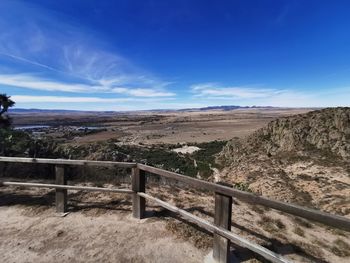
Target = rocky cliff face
(327,130)
(302,159)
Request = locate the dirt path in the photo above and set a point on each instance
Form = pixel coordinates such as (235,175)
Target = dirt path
(30,234)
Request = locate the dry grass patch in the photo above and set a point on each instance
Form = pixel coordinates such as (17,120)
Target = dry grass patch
(299,231)
(341,248)
(339,232)
(310,249)
(258,209)
(302,222)
(271,225)
(189,233)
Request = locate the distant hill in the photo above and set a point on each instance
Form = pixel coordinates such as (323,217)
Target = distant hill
(224,108)
(209,108)
(48,111)
(302,159)
(23,111)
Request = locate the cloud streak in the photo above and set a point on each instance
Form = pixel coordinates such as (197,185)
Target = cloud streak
(64,99)
(51,53)
(37,83)
(217,91)
(34,63)
(31,82)
(215,94)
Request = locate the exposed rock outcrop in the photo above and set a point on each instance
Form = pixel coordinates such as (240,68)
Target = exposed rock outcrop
(327,130)
(302,159)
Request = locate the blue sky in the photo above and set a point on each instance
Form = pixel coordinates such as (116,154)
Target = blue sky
(137,55)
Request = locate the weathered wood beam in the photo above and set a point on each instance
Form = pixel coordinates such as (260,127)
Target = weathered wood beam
(308,213)
(269,255)
(311,214)
(61,194)
(138,181)
(67,162)
(222,218)
(68,187)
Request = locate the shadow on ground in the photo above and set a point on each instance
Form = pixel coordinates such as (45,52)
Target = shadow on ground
(76,204)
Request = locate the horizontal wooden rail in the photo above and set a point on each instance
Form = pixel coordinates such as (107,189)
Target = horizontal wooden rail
(308,213)
(273,257)
(224,194)
(68,187)
(67,162)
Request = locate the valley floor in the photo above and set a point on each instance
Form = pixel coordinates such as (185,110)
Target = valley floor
(154,128)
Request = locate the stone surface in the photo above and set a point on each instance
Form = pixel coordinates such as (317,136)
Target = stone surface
(302,159)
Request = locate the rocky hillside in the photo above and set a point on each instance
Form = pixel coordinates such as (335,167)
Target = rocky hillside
(302,159)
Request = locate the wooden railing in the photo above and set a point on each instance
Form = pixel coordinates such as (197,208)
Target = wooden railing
(223,202)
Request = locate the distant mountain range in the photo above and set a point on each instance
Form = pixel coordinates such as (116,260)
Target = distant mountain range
(20,110)
(48,111)
(226,108)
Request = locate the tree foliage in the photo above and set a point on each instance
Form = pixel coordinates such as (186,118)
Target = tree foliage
(5,104)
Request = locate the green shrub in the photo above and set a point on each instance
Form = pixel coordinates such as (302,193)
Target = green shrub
(242,186)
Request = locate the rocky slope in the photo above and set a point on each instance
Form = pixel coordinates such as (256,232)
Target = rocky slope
(302,159)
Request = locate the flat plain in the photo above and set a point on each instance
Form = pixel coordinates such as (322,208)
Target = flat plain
(156,127)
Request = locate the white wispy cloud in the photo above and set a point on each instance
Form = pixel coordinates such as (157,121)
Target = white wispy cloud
(36,83)
(31,82)
(65,99)
(150,93)
(50,44)
(32,62)
(103,104)
(59,99)
(216,94)
(218,91)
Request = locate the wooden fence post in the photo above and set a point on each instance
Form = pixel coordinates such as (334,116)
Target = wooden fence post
(222,218)
(2,169)
(138,180)
(61,194)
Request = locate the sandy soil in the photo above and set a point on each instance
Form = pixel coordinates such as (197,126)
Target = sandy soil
(296,239)
(100,229)
(186,149)
(34,233)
